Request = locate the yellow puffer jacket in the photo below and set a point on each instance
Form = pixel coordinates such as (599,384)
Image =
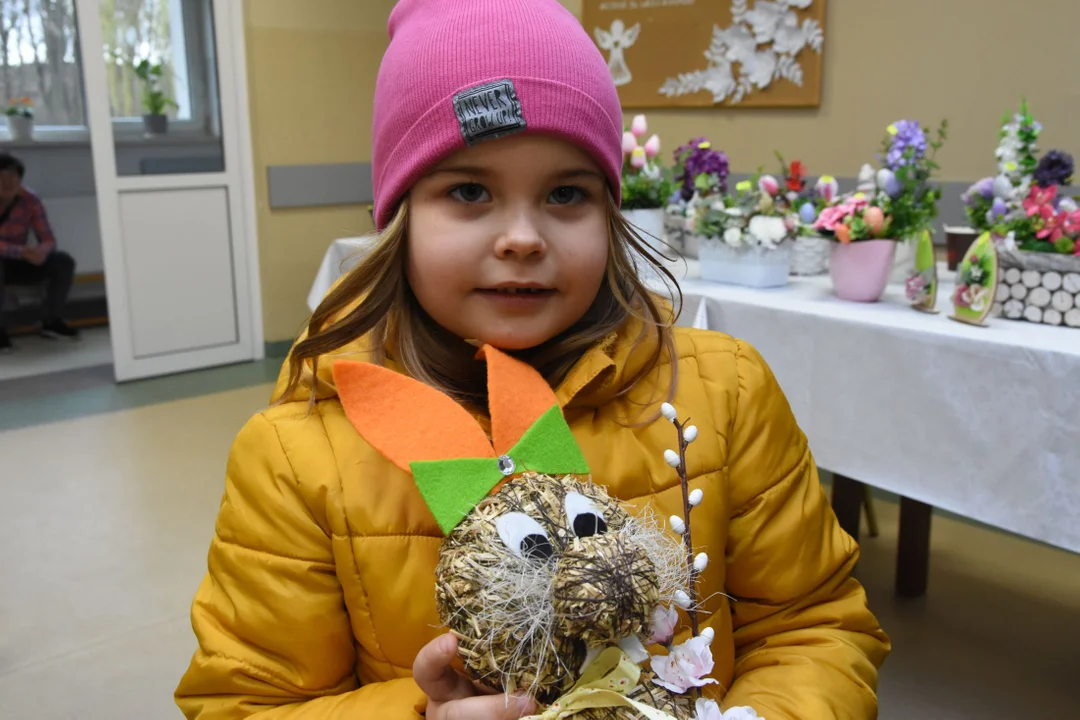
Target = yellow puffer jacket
(320,588)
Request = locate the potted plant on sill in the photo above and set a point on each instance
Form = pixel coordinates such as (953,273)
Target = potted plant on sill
(861,256)
(646,186)
(20,119)
(155,101)
(700,173)
(746,239)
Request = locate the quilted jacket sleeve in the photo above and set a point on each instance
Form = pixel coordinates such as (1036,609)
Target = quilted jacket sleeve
(807,647)
(274,636)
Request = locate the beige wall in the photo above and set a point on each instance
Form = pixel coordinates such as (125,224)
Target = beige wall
(965,60)
(311,75)
(312,68)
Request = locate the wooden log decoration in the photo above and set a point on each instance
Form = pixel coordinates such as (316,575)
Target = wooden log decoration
(1003,292)
(1051,280)
(1061,301)
(1031,278)
(1012,276)
(1071,283)
(1051,317)
(1019,291)
(1072,318)
(1014,309)
(1033,314)
(1039,297)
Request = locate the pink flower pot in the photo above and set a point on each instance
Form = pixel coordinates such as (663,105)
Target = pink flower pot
(860,270)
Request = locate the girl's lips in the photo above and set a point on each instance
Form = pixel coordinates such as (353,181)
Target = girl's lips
(517,297)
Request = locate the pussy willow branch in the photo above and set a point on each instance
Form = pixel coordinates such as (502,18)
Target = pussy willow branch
(687,537)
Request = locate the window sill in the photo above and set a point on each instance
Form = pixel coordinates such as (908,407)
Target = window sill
(60,142)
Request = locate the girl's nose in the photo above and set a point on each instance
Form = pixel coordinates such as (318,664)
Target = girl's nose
(521,238)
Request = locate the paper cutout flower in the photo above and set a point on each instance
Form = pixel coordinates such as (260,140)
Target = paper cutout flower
(664,620)
(686,667)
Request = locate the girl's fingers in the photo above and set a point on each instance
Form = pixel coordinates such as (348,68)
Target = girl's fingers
(487,707)
(433,673)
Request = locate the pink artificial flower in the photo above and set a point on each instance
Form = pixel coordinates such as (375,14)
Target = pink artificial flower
(685,667)
(652,147)
(639,127)
(664,620)
(768,184)
(707,710)
(960,296)
(1051,224)
(638,159)
(629,142)
(916,284)
(1038,197)
(830,217)
(1071,223)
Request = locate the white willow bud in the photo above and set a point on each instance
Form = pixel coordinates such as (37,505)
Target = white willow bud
(668,411)
(696,497)
(701,562)
(682,599)
(709,634)
(671,458)
(677,524)
(690,433)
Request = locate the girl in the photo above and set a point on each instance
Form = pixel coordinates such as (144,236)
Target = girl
(497,156)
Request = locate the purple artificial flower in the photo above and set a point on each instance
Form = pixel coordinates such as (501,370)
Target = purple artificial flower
(698,158)
(996,211)
(909,134)
(1055,168)
(985,187)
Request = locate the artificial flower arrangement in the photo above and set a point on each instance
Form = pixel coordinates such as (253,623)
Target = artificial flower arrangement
(757,215)
(700,172)
(903,182)
(551,586)
(854,217)
(646,185)
(20,107)
(1035,227)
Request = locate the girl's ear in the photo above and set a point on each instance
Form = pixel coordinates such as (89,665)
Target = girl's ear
(517,397)
(405,420)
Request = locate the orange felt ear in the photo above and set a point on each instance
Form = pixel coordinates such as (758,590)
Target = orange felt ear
(517,396)
(404,419)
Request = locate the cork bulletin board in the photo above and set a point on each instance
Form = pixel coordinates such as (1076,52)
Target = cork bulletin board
(702,53)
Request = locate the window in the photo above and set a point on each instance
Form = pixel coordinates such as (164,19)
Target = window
(39,59)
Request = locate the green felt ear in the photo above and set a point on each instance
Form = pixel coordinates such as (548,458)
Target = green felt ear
(452,488)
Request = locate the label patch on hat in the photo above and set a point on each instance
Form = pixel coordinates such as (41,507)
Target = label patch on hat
(489,111)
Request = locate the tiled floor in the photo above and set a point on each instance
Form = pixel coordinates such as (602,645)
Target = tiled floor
(105,521)
(38,356)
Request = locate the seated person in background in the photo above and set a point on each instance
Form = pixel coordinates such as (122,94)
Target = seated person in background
(23,264)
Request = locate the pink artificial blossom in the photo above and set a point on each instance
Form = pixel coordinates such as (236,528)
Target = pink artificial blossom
(664,620)
(830,217)
(1051,223)
(706,709)
(652,147)
(1071,223)
(638,160)
(629,143)
(686,666)
(639,127)
(768,184)
(1037,198)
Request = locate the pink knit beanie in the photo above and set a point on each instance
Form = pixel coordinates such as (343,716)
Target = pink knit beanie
(459,72)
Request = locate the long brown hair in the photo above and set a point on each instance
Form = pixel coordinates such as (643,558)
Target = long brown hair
(375,297)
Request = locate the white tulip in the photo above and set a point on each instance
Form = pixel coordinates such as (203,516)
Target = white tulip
(696,497)
(677,524)
(671,458)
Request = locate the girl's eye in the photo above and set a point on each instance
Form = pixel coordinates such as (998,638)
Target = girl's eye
(566,195)
(470,193)
(584,517)
(524,537)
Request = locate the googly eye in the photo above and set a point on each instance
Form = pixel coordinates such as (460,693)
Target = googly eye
(524,536)
(584,517)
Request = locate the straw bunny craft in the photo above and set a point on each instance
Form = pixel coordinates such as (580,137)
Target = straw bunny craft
(550,585)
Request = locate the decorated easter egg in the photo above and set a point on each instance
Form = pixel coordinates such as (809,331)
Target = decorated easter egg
(843,234)
(875,220)
(808,213)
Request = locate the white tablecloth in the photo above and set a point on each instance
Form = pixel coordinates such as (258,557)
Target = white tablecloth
(984,422)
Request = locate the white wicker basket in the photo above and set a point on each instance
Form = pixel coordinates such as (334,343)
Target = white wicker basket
(748,265)
(810,255)
(1038,287)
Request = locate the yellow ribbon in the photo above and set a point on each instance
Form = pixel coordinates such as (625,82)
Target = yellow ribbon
(603,684)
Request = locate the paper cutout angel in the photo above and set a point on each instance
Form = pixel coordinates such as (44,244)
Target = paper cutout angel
(616,41)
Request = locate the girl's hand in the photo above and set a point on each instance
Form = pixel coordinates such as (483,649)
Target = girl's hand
(451,696)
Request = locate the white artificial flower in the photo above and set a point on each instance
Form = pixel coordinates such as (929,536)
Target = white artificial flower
(769,231)
(1068,205)
(733,237)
